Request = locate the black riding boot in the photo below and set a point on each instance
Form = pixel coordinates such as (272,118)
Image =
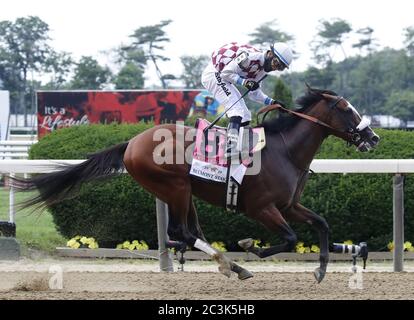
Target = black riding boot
(233,136)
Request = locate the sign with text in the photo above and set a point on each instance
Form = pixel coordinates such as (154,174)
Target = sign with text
(60,109)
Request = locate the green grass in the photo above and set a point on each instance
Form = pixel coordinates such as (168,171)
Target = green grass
(33,230)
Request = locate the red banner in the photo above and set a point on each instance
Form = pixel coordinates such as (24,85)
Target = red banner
(59,109)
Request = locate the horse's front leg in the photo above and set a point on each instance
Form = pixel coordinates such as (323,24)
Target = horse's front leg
(273,220)
(299,213)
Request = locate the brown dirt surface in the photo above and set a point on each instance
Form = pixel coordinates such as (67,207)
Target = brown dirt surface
(205,285)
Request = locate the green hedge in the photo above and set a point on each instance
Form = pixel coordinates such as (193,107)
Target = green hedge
(357,207)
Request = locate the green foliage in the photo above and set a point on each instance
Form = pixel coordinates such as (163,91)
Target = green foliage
(150,39)
(401,104)
(193,68)
(356,206)
(409,40)
(367,82)
(59,65)
(23,49)
(89,75)
(131,76)
(268,33)
(283,93)
(331,34)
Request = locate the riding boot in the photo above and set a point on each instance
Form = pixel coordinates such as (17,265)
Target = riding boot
(233,137)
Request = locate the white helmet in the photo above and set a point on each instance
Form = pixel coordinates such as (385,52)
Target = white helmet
(283,52)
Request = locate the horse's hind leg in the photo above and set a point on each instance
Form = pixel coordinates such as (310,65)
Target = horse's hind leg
(299,213)
(272,219)
(192,222)
(189,231)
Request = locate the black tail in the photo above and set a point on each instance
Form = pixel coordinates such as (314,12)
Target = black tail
(60,185)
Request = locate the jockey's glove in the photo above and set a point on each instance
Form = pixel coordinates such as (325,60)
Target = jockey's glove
(251,85)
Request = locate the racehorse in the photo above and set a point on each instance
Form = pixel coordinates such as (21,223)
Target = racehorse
(271,197)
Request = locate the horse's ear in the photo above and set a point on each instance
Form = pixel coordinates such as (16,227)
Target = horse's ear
(308,87)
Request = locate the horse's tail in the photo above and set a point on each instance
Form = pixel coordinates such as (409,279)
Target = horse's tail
(65,182)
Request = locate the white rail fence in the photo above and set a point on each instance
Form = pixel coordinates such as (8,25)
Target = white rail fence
(15,149)
(395,166)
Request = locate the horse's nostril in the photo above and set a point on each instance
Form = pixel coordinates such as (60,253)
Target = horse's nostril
(375,139)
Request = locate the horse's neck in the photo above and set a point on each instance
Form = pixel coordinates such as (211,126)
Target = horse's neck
(303,141)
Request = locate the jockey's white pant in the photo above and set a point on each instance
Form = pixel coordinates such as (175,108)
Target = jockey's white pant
(226,93)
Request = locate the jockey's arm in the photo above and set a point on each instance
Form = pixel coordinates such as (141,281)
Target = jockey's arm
(260,97)
(231,72)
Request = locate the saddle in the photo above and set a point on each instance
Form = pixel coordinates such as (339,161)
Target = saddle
(209,162)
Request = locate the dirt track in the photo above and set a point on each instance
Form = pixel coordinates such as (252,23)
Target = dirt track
(204,285)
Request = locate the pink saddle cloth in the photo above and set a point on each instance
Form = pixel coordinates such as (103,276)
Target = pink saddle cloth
(210,146)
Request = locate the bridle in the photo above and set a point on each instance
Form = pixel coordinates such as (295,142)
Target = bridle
(351,134)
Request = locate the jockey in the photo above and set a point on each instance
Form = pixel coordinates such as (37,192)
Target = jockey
(244,65)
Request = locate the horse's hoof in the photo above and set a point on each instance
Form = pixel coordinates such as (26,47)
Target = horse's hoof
(244,274)
(319,274)
(246,244)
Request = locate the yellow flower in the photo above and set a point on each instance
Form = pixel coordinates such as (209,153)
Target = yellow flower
(218,245)
(390,246)
(349,242)
(307,250)
(93,245)
(407,245)
(300,249)
(84,240)
(126,244)
(315,248)
(72,243)
(256,243)
(76,245)
(120,246)
(142,245)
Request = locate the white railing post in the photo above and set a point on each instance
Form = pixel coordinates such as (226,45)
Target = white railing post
(398,226)
(162,225)
(12,213)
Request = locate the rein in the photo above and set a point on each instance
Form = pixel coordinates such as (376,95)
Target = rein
(273,107)
(267,109)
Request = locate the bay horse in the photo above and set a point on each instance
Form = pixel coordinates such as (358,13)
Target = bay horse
(271,197)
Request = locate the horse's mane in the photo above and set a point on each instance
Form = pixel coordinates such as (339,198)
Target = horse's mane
(285,122)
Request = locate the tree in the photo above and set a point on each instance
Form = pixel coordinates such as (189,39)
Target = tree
(320,78)
(193,68)
(130,76)
(149,39)
(23,51)
(58,65)
(283,93)
(409,40)
(366,41)
(268,33)
(401,104)
(330,36)
(90,75)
